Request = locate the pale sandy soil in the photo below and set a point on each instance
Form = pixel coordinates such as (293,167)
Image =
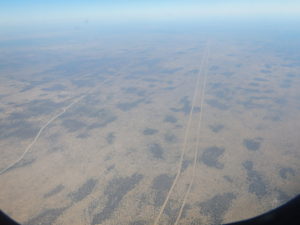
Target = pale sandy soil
(112,156)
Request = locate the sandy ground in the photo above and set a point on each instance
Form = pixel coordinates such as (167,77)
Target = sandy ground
(113,155)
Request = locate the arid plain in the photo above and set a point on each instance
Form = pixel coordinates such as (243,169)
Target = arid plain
(101,130)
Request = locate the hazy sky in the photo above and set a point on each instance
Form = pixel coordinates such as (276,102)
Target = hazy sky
(18,12)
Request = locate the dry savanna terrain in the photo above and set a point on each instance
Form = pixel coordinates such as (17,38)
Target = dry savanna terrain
(161,129)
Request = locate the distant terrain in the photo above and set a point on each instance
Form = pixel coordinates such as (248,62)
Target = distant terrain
(97,129)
